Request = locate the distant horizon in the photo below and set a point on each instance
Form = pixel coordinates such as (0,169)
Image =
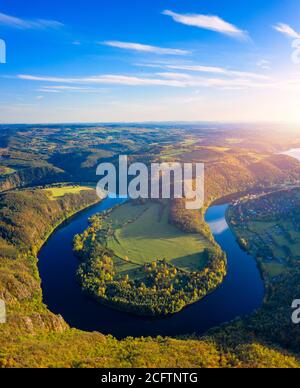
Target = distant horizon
(154,122)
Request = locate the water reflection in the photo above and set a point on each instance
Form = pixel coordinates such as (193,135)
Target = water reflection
(294,153)
(219,226)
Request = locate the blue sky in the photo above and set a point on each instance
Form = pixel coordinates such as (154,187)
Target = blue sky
(133,60)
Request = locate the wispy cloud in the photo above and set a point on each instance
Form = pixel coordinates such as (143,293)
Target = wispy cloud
(45,90)
(145,48)
(210,70)
(106,79)
(264,64)
(66,88)
(15,22)
(171,75)
(167,79)
(287,30)
(208,22)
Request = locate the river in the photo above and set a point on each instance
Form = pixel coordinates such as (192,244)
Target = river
(240,294)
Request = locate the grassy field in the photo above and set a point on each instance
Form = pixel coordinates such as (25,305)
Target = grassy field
(260,235)
(6,171)
(142,234)
(58,192)
(281,241)
(274,269)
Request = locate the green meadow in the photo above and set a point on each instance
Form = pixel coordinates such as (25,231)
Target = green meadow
(142,233)
(58,192)
(6,171)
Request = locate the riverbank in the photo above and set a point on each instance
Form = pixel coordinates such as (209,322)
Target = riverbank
(67,218)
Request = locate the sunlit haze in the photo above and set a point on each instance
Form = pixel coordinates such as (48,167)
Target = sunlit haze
(158,60)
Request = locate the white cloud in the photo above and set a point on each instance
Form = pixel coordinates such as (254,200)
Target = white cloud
(106,79)
(264,64)
(218,70)
(65,88)
(287,30)
(177,80)
(12,21)
(48,90)
(208,22)
(145,48)
(209,70)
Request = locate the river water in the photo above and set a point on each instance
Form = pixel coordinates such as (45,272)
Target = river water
(240,294)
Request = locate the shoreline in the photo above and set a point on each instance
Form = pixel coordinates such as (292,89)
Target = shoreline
(63,221)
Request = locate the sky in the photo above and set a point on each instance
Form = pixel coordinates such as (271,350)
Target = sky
(158,60)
